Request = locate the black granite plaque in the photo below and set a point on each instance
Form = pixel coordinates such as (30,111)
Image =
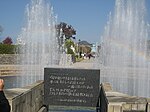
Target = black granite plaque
(71,87)
(133,111)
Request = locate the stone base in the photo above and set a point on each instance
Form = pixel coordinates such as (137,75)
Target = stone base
(119,102)
(30,99)
(27,99)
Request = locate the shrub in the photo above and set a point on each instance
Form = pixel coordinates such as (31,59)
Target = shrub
(7,49)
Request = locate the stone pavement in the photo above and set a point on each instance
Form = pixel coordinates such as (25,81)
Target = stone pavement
(84,64)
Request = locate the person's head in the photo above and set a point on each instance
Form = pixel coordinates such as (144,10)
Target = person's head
(1,84)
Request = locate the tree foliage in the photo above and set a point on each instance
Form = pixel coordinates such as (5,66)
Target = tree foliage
(68,44)
(7,49)
(7,40)
(67,30)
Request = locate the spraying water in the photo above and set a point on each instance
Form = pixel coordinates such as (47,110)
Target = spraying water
(123,58)
(39,43)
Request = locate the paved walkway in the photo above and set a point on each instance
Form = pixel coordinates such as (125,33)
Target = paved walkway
(85,64)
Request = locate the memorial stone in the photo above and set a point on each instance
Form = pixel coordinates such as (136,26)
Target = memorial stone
(134,111)
(71,87)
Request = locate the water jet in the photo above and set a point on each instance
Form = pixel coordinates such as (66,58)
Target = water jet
(123,56)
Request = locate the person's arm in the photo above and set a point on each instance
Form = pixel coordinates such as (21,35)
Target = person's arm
(4,104)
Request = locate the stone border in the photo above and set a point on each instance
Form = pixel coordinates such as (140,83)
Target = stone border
(119,102)
(27,99)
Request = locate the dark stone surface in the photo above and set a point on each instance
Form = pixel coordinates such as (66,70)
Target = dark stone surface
(133,111)
(73,111)
(71,87)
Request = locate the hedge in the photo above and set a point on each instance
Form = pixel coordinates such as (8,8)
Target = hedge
(7,49)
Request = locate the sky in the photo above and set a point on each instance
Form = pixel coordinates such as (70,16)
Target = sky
(88,17)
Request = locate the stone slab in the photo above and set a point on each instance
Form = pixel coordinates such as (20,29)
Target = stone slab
(71,87)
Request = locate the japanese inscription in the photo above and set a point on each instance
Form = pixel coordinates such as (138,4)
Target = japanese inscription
(71,87)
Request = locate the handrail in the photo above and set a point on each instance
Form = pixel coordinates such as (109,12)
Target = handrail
(102,103)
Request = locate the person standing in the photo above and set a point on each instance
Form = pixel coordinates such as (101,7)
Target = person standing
(4,104)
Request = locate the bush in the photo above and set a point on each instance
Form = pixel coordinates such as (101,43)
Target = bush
(70,51)
(7,49)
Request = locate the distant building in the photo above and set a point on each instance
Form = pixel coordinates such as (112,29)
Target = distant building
(84,47)
(85,43)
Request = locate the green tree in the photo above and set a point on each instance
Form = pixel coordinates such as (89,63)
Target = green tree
(65,32)
(7,49)
(68,44)
(6,46)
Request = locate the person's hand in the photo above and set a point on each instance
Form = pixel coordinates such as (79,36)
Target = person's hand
(1,84)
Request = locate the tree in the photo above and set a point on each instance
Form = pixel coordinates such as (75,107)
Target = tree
(7,49)
(68,44)
(8,41)
(67,30)
(64,32)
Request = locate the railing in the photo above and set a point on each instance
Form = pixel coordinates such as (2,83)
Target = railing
(102,103)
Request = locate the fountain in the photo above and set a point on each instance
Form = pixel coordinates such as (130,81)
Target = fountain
(123,57)
(38,40)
